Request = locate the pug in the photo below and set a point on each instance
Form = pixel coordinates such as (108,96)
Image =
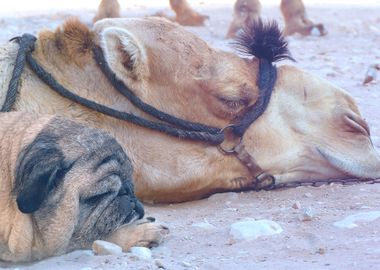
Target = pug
(62,186)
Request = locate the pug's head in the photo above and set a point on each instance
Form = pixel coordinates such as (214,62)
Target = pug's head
(76,185)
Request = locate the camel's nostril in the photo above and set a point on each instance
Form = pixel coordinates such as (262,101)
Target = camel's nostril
(356,123)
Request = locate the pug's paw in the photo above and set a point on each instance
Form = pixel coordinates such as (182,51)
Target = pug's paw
(151,234)
(142,233)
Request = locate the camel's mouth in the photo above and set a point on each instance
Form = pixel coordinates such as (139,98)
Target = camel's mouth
(362,167)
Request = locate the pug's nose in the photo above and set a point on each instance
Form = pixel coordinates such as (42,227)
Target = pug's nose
(128,204)
(122,192)
(139,208)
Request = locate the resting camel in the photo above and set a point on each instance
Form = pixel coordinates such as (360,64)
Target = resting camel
(310,128)
(296,21)
(245,13)
(185,15)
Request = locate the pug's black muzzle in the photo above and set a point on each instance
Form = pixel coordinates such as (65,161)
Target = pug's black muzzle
(130,204)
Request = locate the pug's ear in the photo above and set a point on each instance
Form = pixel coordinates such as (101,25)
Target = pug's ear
(39,166)
(124,53)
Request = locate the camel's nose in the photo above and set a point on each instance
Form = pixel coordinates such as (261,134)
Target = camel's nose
(355,123)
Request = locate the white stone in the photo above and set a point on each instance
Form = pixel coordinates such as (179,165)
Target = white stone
(308,195)
(204,225)
(315,32)
(100,247)
(252,229)
(159,264)
(186,264)
(307,214)
(350,221)
(142,253)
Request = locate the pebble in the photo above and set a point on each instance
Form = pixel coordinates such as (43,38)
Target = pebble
(308,195)
(142,253)
(252,229)
(186,264)
(100,247)
(296,205)
(350,221)
(315,32)
(307,214)
(204,225)
(371,73)
(159,264)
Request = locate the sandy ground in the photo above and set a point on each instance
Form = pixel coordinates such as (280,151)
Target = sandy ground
(200,231)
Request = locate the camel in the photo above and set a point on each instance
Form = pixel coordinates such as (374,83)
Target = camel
(245,12)
(293,11)
(185,15)
(310,129)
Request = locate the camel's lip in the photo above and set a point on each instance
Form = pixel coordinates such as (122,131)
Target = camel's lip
(334,162)
(347,167)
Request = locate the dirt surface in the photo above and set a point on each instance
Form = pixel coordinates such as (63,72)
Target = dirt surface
(200,231)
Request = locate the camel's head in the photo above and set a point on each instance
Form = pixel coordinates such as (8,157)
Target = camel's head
(310,130)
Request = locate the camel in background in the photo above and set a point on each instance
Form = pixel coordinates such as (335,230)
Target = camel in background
(245,12)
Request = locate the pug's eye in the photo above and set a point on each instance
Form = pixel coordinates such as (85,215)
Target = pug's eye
(233,104)
(96,198)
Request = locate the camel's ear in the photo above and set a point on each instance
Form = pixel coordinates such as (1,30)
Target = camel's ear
(125,54)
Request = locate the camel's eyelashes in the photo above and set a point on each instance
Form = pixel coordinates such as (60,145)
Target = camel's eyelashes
(233,103)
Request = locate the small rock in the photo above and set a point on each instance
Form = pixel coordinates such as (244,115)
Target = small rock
(100,247)
(142,253)
(186,264)
(204,225)
(252,229)
(315,32)
(352,220)
(308,195)
(159,264)
(321,251)
(296,205)
(307,214)
(371,74)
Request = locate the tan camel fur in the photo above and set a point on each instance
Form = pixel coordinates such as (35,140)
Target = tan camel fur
(247,12)
(107,9)
(310,130)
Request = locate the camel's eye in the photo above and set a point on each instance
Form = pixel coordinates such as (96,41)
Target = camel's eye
(233,103)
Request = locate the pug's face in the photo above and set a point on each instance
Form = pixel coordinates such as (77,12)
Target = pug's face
(76,184)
